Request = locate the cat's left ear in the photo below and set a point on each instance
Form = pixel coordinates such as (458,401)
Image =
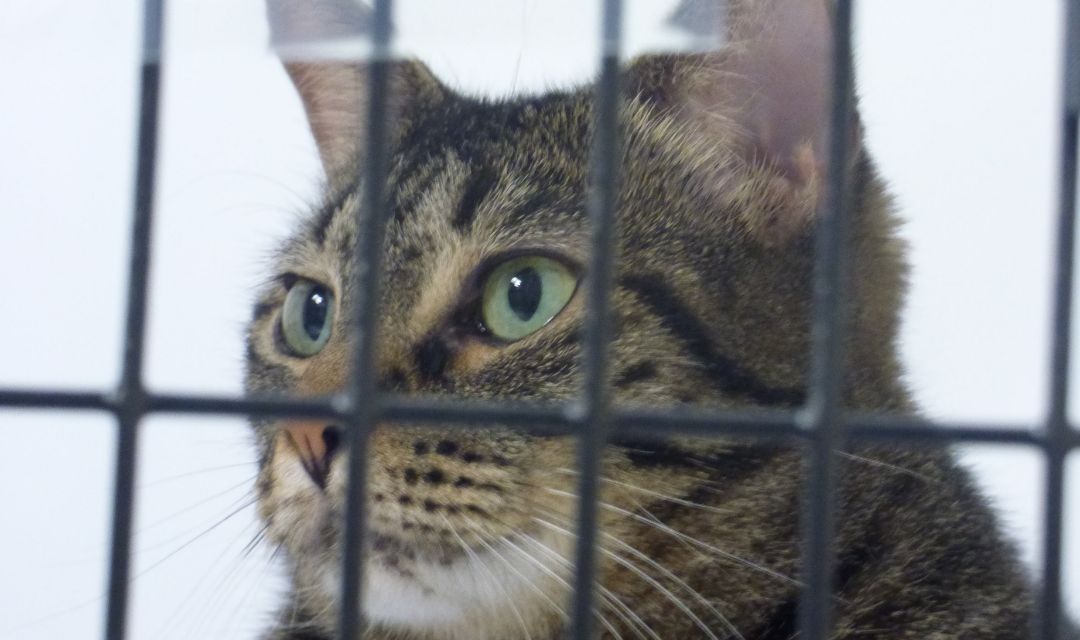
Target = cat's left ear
(764,91)
(314,38)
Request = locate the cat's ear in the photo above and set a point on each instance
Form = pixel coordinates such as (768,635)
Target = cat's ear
(317,40)
(764,89)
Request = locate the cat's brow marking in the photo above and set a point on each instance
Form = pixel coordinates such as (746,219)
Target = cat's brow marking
(415,180)
(477,187)
(732,377)
(329,211)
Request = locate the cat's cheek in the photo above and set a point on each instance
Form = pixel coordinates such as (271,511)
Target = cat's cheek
(298,508)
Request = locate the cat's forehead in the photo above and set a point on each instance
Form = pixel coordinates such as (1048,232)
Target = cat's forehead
(492,176)
(472,179)
(478,168)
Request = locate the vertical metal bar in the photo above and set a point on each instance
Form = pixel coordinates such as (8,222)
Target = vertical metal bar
(365,286)
(825,399)
(1049,622)
(131,393)
(595,417)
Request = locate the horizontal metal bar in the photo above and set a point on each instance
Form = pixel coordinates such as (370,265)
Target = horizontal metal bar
(274,407)
(555,419)
(56,399)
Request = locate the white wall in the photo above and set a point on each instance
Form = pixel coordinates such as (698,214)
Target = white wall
(959,98)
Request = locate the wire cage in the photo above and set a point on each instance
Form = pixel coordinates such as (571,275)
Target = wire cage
(821,425)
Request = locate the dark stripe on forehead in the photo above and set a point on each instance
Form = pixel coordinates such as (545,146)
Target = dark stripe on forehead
(545,198)
(412,184)
(729,376)
(326,215)
(477,187)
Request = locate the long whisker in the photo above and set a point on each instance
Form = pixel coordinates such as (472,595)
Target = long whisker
(473,557)
(243,501)
(255,586)
(884,465)
(604,595)
(197,588)
(513,569)
(92,549)
(195,538)
(256,539)
(222,593)
(620,608)
(660,526)
(674,578)
(686,545)
(653,582)
(195,505)
(99,598)
(656,494)
(196,472)
(547,570)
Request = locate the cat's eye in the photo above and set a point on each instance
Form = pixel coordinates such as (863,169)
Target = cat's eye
(523,294)
(307,317)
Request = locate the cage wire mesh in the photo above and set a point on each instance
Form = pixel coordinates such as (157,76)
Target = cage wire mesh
(821,425)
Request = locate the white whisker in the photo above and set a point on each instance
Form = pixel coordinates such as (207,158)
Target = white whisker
(660,526)
(620,608)
(473,557)
(655,584)
(656,494)
(529,583)
(547,570)
(884,465)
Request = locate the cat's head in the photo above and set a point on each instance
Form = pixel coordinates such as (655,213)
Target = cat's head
(722,173)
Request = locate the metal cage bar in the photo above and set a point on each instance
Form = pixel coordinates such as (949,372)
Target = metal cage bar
(764,424)
(824,408)
(1049,623)
(365,278)
(594,419)
(130,398)
(822,424)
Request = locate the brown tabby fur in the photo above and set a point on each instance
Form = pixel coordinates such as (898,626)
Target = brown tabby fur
(699,537)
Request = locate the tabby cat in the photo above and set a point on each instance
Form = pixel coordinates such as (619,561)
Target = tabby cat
(471,532)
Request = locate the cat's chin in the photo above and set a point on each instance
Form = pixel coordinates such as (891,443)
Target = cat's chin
(442,596)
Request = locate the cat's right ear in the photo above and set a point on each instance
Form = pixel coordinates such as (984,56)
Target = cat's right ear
(762,92)
(317,41)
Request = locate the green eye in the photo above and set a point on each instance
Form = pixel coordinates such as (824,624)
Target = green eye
(523,294)
(307,317)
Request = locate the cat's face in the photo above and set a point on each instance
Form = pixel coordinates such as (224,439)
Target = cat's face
(482,298)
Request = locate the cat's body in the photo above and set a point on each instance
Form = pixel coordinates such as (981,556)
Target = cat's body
(471,531)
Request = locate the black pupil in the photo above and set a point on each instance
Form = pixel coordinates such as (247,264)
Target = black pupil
(315,310)
(524,293)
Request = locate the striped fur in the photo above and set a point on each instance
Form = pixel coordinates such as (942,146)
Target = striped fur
(470,530)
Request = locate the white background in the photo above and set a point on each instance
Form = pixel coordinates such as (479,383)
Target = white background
(959,98)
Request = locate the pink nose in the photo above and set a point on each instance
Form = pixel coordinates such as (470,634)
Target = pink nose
(315,443)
